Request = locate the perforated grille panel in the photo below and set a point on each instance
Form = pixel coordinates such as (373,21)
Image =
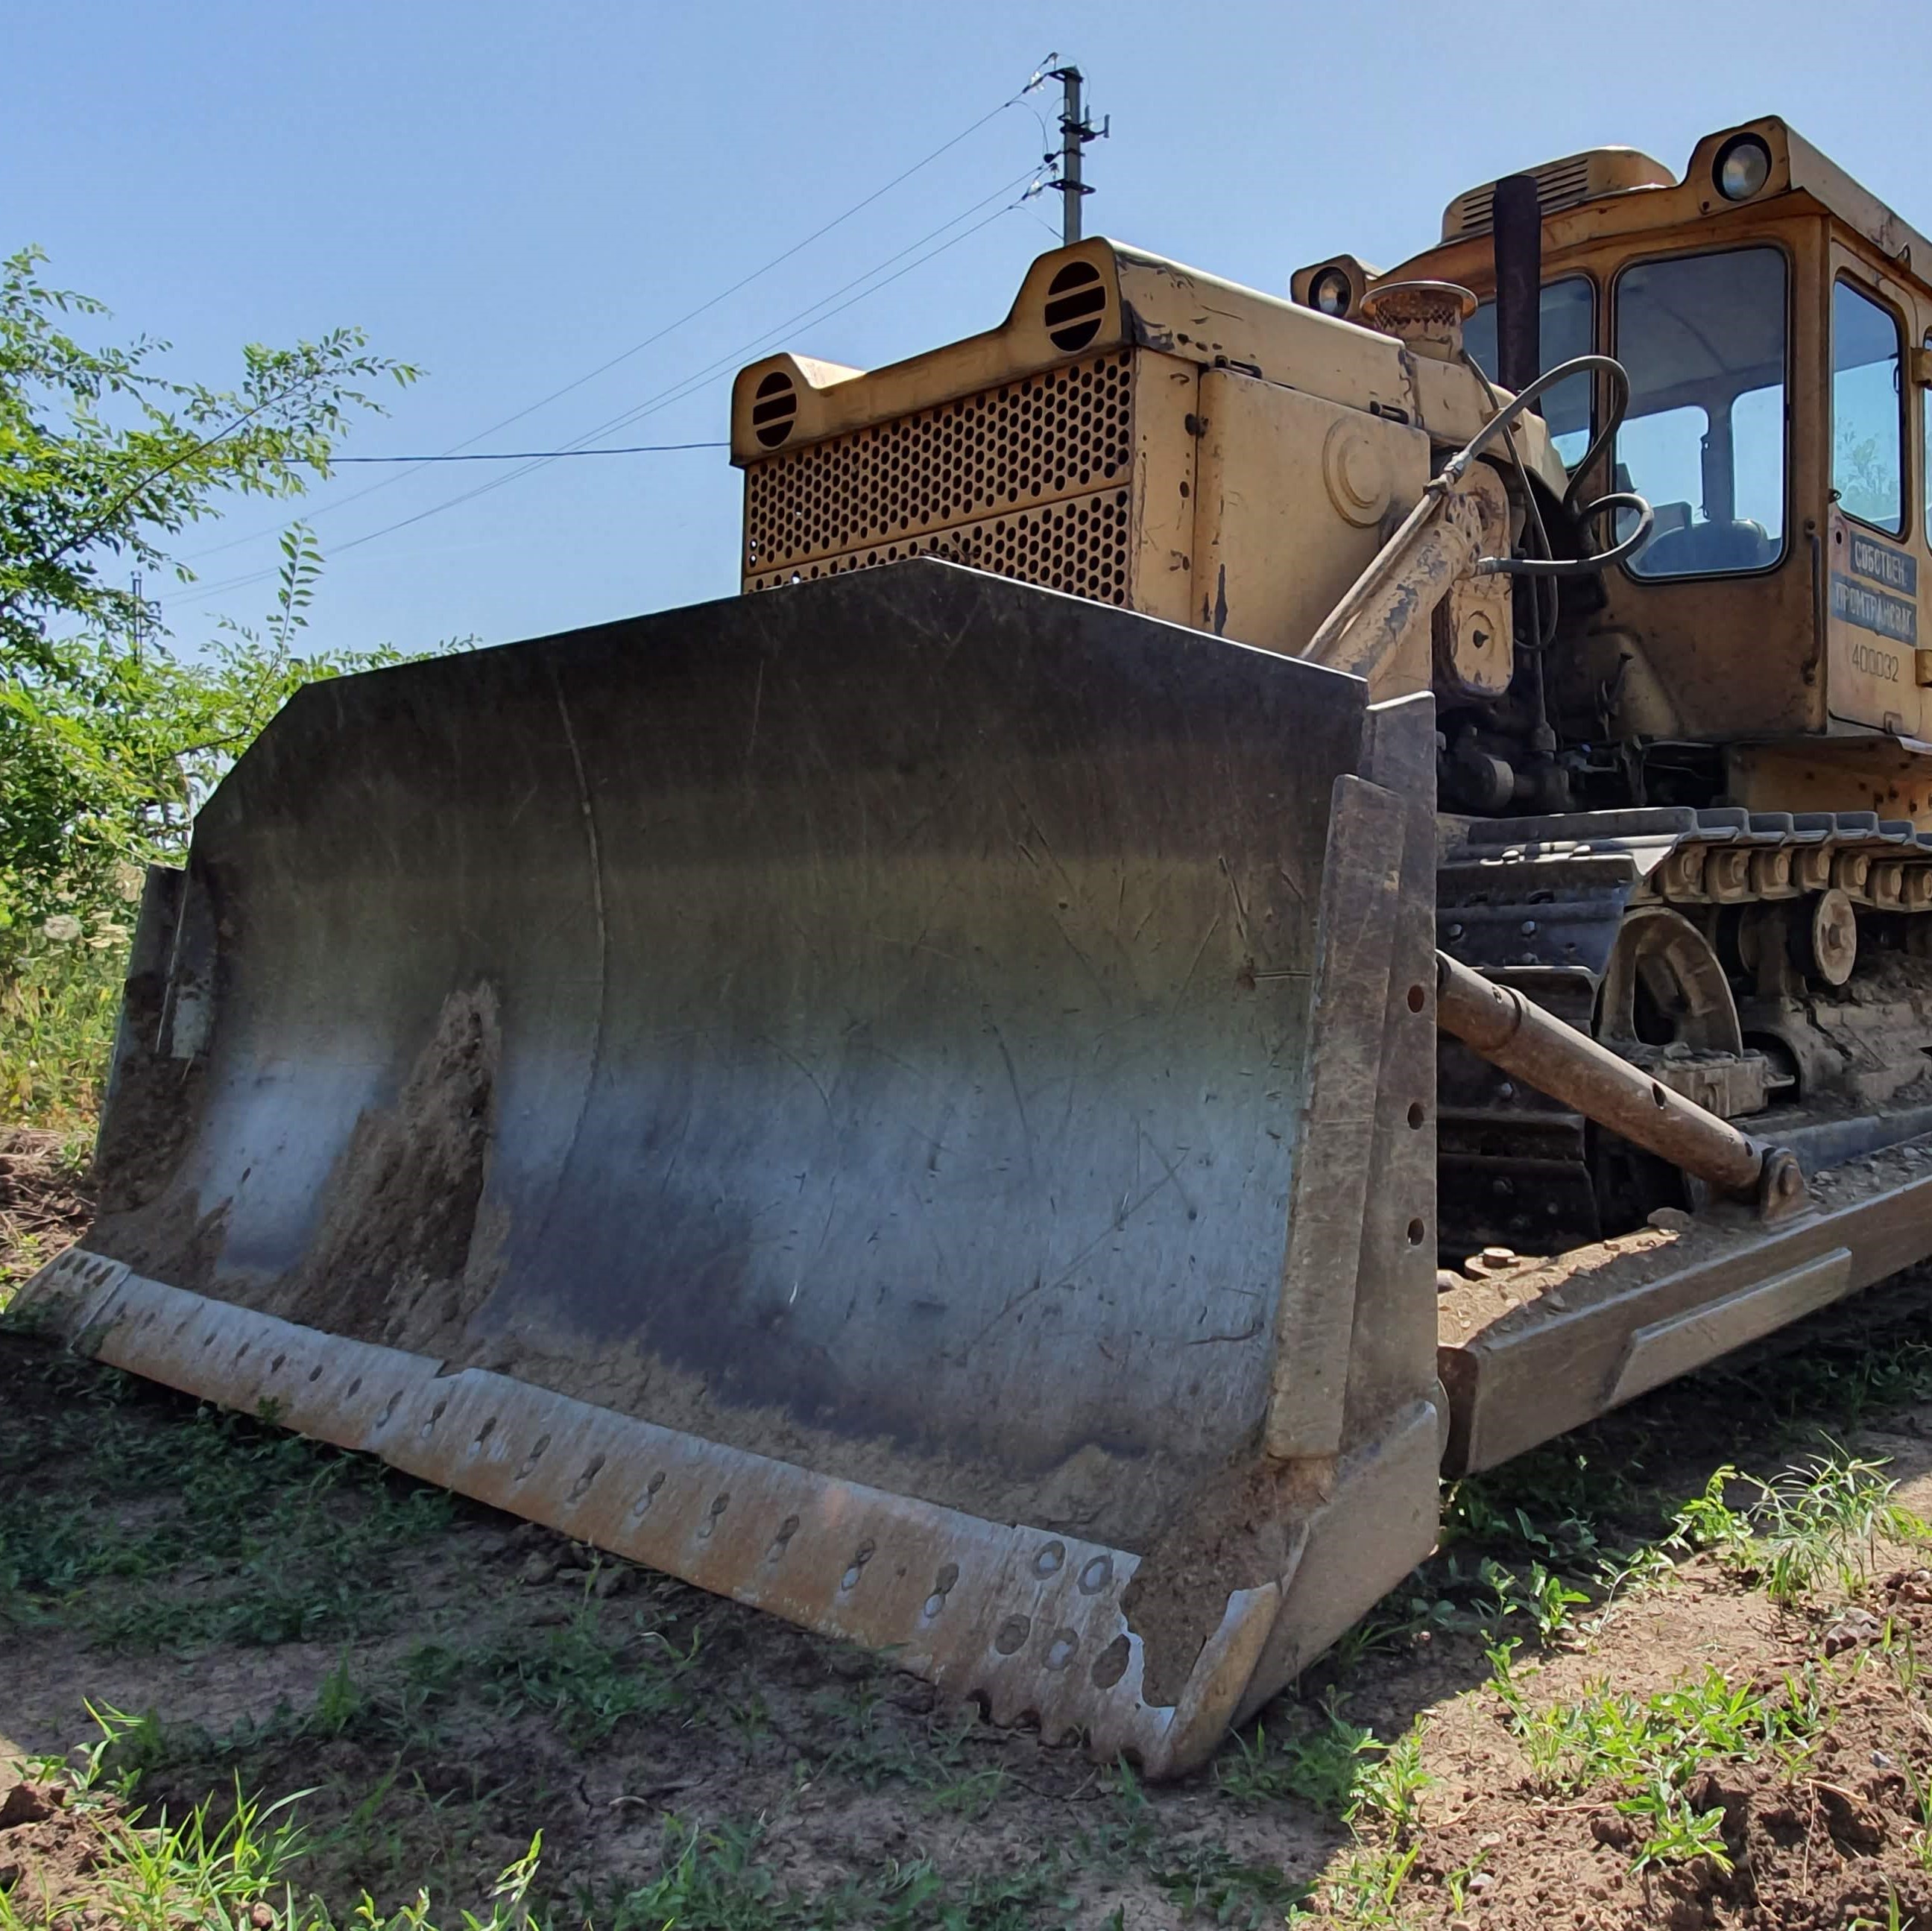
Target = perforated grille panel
(1029,480)
(1080,546)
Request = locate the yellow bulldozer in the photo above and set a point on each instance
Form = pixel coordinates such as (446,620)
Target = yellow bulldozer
(1257,900)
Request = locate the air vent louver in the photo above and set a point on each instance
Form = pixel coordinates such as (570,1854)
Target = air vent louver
(1559,185)
(1076,300)
(1564,184)
(774,408)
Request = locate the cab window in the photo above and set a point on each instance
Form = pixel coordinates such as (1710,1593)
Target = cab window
(1568,329)
(1703,337)
(1867,419)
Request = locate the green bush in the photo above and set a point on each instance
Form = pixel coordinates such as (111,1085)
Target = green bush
(110,738)
(58,1003)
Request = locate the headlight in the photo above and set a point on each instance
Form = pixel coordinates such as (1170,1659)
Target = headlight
(1742,167)
(1331,292)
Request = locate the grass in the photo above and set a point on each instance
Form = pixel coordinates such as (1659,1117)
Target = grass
(58,1006)
(1374,1788)
(1198,1877)
(1819,1523)
(1530,1547)
(579,1677)
(719,1878)
(1321,1764)
(283,1539)
(1553,1541)
(43,1200)
(1653,1748)
(203,1872)
(724,1874)
(583,1679)
(1815,1526)
(1339,1767)
(246,1493)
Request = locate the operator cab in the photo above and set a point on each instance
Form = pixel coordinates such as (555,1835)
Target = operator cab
(1774,320)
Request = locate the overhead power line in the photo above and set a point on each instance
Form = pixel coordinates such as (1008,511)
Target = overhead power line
(532,455)
(729,360)
(1034,80)
(820,311)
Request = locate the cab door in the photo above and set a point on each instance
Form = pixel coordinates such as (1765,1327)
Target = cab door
(1875,544)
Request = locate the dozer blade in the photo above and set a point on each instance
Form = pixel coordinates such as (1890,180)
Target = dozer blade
(862,1097)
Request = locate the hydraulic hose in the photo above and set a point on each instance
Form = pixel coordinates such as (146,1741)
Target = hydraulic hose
(1546,565)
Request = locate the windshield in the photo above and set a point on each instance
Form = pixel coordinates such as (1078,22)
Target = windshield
(1703,339)
(1567,329)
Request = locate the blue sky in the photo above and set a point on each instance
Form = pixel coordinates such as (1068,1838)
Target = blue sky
(511,195)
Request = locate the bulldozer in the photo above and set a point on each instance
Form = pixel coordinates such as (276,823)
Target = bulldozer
(1258,901)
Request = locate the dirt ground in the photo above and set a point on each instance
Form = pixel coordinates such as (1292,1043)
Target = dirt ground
(1592,1708)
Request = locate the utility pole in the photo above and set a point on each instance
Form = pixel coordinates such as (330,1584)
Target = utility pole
(1075,131)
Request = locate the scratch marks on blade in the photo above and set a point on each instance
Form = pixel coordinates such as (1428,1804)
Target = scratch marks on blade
(594,852)
(936,1140)
(1013,1081)
(1042,1284)
(1247,1333)
(1194,964)
(1241,909)
(1039,833)
(751,741)
(785,1053)
(1173,1172)
(676,1152)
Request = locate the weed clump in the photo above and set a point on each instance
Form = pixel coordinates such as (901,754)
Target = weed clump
(1820,1522)
(80,1852)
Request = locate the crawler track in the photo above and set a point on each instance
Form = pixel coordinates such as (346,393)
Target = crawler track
(1545,903)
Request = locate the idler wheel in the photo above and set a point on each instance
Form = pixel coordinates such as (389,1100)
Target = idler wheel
(1830,937)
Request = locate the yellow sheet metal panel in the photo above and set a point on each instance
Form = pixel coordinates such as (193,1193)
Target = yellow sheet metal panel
(1167,404)
(1736,656)
(1845,773)
(1563,183)
(1183,312)
(1294,498)
(1099,295)
(1223,326)
(1799,179)
(1068,305)
(1817,175)
(1876,576)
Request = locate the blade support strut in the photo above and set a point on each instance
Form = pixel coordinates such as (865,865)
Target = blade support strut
(1513,1033)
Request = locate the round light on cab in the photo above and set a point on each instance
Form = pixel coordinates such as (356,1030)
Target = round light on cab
(1743,167)
(1330,291)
